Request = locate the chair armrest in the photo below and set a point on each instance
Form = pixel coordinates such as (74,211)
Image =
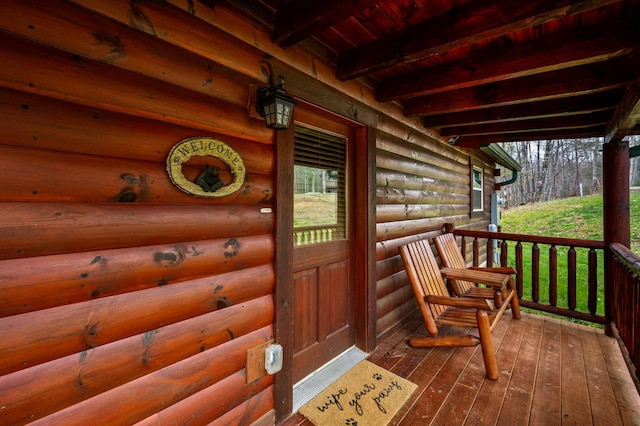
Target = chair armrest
(460,302)
(477,276)
(497,269)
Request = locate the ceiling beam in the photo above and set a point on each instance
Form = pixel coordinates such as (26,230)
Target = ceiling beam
(456,29)
(562,51)
(551,85)
(553,108)
(253,8)
(299,20)
(535,125)
(627,116)
(480,141)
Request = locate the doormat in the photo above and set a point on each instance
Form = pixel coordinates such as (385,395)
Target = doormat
(366,395)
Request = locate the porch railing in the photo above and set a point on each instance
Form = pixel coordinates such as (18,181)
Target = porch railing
(530,282)
(625,305)
(314,234)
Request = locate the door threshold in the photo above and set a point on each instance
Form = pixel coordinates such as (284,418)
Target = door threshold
(316,382)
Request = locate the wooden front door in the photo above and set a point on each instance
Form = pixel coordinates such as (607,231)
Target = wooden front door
(323,264)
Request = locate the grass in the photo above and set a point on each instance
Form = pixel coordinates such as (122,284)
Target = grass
(579,217)
(314,209)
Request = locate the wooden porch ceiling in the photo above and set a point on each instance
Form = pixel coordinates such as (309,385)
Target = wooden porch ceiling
(480,71)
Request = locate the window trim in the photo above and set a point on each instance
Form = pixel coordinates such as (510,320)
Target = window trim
(476,166)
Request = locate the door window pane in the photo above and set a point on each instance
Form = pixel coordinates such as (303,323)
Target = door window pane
(319,194)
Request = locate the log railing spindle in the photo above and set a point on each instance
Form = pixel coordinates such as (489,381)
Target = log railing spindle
(592,303)
(553,275)
(519,268)
(571,277)
(535,273)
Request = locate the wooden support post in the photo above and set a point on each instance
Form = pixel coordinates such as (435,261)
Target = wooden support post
(616,216)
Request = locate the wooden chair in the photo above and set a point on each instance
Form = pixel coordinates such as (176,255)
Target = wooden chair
(438,307)
(451,257)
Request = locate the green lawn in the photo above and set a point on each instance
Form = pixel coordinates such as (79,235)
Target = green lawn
(579,217)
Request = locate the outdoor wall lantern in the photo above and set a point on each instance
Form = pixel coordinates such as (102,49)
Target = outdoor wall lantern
(275,106)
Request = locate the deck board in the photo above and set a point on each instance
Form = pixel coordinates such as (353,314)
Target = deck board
(552,372)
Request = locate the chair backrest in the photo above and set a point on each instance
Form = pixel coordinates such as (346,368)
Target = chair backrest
(424,275)
(451,257)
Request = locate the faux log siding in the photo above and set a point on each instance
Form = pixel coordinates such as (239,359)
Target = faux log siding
(102,179)
(418,189)
(123,299)
(58,280)
(218,374)
(44,123)
(68,380)
(37,229)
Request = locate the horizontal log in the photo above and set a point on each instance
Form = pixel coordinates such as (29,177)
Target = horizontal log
(408,196)
(387,160)
(107,41)
(39,175)
(41,390)
(250,411)
(395,317)
(391,284)
(37,229)
(392,301)
(397,212)
(387,267)
(32,284)
(391,132)
(407,228)
(41,336)
(139,399)
(394,179)
(389,248)
(221,398)
(414,153)
(71,78)
(183,28)
(40,122)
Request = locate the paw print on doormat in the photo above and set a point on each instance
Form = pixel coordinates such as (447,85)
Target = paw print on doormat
(351,422)
(377,376)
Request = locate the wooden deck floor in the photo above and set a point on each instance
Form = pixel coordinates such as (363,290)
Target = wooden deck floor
(551,373)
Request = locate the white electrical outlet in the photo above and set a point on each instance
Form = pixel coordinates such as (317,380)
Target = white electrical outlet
(273,358)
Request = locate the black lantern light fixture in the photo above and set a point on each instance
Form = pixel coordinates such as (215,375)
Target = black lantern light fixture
(275,106)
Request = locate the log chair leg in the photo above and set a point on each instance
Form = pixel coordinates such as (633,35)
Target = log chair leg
(497,298)
(488,353)
(515,303)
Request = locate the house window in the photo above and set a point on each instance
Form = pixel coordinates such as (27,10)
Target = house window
(319,191)
(477,192)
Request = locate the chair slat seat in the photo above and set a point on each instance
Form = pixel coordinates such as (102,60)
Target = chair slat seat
(438,307)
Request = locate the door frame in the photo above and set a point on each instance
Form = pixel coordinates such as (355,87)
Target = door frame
(365,240)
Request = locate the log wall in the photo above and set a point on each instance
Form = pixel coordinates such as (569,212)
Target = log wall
(117,288)
(420,185)
(122,298)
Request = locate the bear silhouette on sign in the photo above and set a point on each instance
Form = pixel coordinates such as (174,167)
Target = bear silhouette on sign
(209,180)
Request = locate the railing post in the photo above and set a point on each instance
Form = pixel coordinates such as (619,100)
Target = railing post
(617,220)
(553,275)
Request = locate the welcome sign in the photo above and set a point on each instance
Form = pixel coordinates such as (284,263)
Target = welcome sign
(367,395)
